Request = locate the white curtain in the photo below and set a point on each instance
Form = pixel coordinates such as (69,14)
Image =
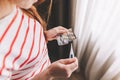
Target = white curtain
(97,27)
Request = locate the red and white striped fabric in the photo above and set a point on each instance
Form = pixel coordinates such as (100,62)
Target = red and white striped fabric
(23,50)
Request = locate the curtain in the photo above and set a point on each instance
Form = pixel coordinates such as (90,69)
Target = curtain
(97,27)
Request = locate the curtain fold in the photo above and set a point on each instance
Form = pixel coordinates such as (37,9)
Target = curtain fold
(97,27)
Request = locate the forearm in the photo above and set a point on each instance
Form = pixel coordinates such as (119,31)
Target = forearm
(43,76)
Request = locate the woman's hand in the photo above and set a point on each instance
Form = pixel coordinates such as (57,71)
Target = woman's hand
(63,68)
(54,32)
(60,69)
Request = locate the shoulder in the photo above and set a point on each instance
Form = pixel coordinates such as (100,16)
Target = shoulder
(30,21)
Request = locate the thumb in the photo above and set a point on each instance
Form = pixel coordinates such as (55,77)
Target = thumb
(68,61)
(73,66)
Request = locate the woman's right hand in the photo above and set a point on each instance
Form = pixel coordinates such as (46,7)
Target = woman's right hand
(63,68)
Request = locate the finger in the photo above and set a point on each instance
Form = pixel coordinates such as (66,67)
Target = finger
(73,66)
(67,61)
(61,27)
(61,31)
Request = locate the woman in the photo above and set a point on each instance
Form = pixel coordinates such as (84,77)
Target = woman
(23,50)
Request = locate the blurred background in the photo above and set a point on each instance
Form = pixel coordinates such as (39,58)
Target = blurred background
(96,48)
(62,14)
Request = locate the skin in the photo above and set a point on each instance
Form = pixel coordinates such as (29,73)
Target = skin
(6,10)
(53,33)
(26,4)
(60,69)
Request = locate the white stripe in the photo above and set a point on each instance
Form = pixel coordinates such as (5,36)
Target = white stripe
(5,46)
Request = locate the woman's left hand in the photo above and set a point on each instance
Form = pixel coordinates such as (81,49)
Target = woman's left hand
(54,32)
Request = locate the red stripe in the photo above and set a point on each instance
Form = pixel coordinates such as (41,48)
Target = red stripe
(30,53)
(43,48)
(24,69)
(40,69)
(11,46)
(21,76)
(39,48)
(42,52)
(15,74)
(41,61)
(43,66)
(34,57)
(42,57)
(30,66)
(33,64)
(10,24)
(45,53)
(30,76)
(21,49)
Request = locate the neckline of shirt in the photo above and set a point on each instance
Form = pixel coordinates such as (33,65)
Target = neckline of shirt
(9,16)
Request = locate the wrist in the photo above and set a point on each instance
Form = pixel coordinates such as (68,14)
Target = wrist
(48,74)
(45,75)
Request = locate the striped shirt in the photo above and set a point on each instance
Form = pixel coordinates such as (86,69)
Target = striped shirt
(23,50)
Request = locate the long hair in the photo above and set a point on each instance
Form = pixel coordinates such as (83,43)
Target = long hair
(33,13)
